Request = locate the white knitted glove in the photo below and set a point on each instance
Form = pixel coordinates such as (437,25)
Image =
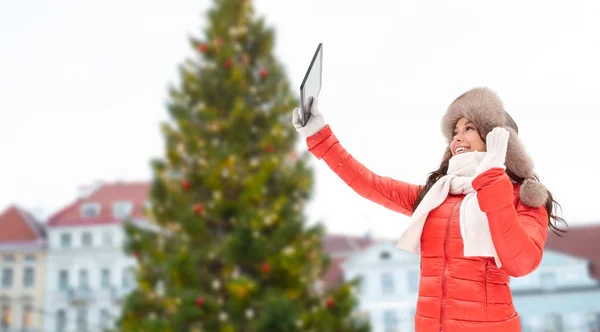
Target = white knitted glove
(496,146)
(315,123)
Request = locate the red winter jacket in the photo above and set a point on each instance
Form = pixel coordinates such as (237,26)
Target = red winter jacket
(456,293)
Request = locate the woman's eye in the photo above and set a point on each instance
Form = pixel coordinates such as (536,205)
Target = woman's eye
(470,128)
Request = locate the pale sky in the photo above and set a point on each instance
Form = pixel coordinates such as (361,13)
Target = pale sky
(83,87)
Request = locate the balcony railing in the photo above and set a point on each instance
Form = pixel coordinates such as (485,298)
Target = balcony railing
(80,295)
(86,295)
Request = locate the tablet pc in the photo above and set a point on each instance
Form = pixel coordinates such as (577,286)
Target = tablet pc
(311,84)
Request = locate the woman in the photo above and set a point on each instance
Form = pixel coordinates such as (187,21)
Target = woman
(480,218)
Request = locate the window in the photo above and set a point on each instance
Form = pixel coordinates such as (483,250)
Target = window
(8,259)
(593,321)
(7,277)
(554,322)
(86,239)
(413,281)
(104,318)
(27,316)
(90,210)
(28,277)
(107,238)
(384,255)
(362,284)
(61,321)
(387,283)
(390,321)
(65,240)
(548,279)
(30,258)
(127,281)
(83,279)
(122,209)
(63,280)
(82,323)
(105,278)
(6,316)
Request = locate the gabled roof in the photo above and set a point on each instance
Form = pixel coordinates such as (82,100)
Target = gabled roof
(579,241)
(105,195)
(19,226)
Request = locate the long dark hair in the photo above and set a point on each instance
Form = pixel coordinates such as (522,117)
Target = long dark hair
(551,204)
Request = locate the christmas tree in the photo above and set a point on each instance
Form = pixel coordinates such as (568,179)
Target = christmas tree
(230,250)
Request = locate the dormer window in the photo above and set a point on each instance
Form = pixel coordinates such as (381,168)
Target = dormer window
(122,209)
(90,210)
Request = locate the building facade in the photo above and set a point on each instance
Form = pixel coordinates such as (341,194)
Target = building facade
(88,275)
(389,285)
(73,275)
(561,295)
(22,271)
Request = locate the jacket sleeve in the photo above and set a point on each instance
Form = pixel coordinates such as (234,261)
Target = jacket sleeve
(519,232)
(393,194)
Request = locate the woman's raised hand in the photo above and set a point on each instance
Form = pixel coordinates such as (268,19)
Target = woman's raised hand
(315,123)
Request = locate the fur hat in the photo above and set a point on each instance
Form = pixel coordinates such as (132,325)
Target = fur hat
(483,107)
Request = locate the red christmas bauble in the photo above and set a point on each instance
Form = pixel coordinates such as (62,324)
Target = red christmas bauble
(228,63)
(185,184)
(266,268)
(200,301)
(263,73)
(203,48)
(330,303)
(270,148)
(198,208)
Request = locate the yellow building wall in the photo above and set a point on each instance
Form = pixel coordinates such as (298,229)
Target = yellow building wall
(13,299)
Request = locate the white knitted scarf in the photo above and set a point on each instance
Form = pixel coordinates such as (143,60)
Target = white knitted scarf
(474,227)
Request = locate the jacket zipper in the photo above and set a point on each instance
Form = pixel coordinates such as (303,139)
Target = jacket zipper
(442,309)
(486,294)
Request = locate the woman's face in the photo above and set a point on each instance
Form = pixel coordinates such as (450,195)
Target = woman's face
(466,138)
